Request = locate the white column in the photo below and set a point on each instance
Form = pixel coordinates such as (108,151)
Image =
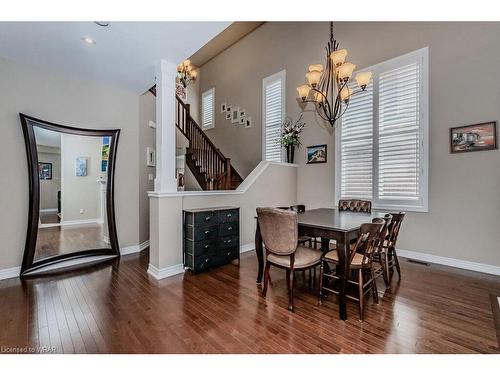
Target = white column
(165,181)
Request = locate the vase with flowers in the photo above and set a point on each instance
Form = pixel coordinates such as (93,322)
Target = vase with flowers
(290,136)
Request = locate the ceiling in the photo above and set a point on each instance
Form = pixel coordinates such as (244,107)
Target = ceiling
(222,41)
(46,137)
(125,53)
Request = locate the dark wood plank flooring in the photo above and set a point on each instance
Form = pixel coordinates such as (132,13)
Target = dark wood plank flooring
(118,308)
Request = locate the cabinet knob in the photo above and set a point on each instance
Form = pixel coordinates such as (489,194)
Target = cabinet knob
(207,232)
(207,218)
(206,260)
(229,215)
(206,246)
(228,253)
(228,241)
(229,228)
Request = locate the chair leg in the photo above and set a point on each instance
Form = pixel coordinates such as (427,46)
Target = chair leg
(385,268)
(290,283)
(320,283)
(374,286)
(361,294)
(266,278)
(396,261)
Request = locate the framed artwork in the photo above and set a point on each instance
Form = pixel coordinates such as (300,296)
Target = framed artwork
(242,113)
(105,154)
(478,137)
(316,154)
(235,113)
(228,115)
(248,122)
(45,171)
(229,108)
(150,157)
(81,166)
(242,120)
(223,107)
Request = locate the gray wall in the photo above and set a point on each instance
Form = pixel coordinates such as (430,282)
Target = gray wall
(464,209)
(67,101)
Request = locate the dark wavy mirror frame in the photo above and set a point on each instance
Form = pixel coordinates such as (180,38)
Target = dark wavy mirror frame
(28,265)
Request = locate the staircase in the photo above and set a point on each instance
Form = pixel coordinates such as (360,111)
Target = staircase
(210,167)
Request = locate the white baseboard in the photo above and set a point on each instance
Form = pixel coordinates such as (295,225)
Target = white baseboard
(452,262)
(162,273)
(47,210)
(8,273)
(134,248)
(247,247)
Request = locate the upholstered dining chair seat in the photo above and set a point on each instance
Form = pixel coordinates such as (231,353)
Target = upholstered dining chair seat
(304,257)
(333,256)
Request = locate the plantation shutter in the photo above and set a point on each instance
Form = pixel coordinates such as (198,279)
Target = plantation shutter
(399,134)
(273,116)
(357,147)
(208,109)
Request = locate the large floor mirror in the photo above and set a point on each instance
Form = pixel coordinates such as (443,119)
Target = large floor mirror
(71,207)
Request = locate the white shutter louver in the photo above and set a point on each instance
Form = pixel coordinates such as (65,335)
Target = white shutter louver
(273,117)
(207,109)
(357,147)
(399,134)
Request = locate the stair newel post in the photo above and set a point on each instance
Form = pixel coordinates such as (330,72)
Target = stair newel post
(228,174)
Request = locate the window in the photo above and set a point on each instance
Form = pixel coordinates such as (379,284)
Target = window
(208,109)
(273,114)
(382,143)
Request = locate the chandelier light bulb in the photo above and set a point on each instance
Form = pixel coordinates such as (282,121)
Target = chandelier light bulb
(363,78)
(345,70)
(187,63)
(313,77)
(303,91)
(338,57)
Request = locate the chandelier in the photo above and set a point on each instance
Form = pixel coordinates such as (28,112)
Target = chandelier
(330,89)
(186,73)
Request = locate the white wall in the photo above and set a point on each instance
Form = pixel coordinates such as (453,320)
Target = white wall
(80,195)
(258,190)
(66,101)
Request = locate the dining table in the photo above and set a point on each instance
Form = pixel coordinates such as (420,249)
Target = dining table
(327,224)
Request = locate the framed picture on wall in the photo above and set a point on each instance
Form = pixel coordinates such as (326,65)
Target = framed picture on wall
(223,107)
(478,137)
(248,122)
(81,166)
(45,171)
(180,91)
(228,115)
(316,154)
(235,115)
(150,157)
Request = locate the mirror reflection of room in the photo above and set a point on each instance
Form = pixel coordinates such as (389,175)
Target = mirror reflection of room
(72,174)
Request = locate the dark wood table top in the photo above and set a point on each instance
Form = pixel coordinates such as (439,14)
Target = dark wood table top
(330,218)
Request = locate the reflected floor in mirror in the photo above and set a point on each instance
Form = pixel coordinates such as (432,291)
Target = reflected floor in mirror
(57,240)
(117,307)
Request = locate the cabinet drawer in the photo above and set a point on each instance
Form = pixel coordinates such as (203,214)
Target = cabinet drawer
(228,241)
(200,233)
(227,216)
(205,217)
(201,247)
(229,229)
(229,254)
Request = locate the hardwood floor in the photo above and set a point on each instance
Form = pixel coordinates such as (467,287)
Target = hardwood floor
(69,239)
(118,308)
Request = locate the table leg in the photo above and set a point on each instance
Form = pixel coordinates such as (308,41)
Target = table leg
(343,270)
(259,251)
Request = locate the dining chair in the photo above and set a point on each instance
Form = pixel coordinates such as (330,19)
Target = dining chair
(355,205)
(279,230)
(360,263)
(387,256)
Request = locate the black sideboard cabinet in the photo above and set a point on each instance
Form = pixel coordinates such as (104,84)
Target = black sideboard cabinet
(211,237)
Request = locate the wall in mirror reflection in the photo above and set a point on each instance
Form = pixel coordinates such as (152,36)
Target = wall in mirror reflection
(72,170)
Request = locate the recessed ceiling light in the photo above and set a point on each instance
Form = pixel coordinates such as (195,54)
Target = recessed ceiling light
(88,40)
(102,23)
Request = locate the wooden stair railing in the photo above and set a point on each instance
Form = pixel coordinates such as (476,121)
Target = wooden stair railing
(210,167)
